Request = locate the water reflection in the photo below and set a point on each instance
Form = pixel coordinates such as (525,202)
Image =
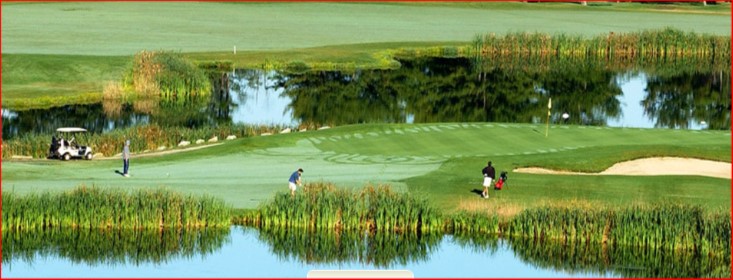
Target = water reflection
(380,250)
(422,90)
(578,257)
(452,90)
(115,247)
(677,101)
(247,252)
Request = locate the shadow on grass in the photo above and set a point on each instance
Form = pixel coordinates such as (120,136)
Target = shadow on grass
(478,192)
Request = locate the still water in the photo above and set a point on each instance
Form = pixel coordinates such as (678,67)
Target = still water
(421,91)
(244,253)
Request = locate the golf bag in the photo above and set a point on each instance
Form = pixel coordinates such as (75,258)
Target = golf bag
(502,180)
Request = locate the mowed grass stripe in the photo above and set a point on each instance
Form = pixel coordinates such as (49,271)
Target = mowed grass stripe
(468,140)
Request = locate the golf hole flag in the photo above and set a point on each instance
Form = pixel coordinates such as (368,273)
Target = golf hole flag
(549,106)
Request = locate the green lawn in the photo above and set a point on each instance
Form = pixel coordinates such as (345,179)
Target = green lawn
(438,161)
(54,53)
(120,28)
(59,51)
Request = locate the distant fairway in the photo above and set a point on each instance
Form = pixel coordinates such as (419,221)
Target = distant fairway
(119,28)
(55,53)
(439,161)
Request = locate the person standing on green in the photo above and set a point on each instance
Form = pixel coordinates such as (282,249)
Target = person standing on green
(126,158)
(489,174)
(294,181)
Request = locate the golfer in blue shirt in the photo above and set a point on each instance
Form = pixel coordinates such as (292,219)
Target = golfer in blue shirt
(294,181)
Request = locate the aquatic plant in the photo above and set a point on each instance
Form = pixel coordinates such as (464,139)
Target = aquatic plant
(649,49)
(566,223)
(166,74)
(666,226)
(473,223)
(671,227)
(323,206)
(97,208)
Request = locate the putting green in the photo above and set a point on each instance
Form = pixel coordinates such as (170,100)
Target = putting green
(440,161)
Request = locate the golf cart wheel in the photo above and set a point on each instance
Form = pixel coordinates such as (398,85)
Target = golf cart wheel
(88,156)
(67,156)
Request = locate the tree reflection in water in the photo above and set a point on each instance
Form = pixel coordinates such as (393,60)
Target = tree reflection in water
(423,90)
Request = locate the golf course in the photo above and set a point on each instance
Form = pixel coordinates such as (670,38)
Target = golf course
(68,54)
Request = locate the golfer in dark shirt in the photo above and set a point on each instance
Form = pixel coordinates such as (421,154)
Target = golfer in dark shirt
(294,180)
(489,174)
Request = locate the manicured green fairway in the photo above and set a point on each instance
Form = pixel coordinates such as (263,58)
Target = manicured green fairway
(88,43)
(62,50)
(440,161)
(119,28)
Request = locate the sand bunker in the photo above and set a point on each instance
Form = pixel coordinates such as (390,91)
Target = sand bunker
(654,166)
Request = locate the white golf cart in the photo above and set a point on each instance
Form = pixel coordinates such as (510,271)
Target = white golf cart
(66,148)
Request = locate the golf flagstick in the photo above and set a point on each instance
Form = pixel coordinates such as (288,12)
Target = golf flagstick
(549,106)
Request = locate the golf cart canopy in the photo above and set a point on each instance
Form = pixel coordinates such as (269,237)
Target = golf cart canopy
(70,129)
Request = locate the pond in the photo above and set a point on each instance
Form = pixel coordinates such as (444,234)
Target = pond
(422,90)
(247,252)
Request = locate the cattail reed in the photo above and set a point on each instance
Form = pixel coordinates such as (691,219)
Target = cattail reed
(322,206)
(166,74)
(92,208)
(618,50)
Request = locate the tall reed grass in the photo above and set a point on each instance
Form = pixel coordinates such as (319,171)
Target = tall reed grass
(666,226)
(323,206)
(635,49)
(166,74)
(671,227)
(473,223)
(96,208)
